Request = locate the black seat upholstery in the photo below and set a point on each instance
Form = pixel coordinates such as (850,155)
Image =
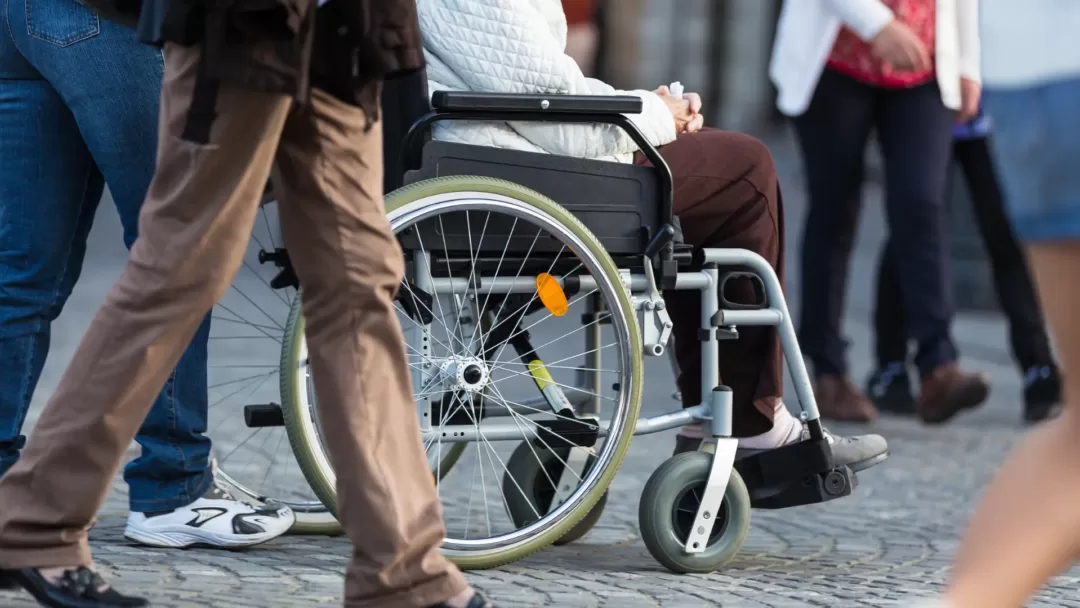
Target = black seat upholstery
(621,204)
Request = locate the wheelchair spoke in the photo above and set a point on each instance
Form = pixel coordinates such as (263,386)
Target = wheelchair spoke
(266,282)
(438,301)
(241,322)
(498,267)
(559,384)
(472,267)
(553,364)
(253,458)
(518,419)
(548,412)
(525,307)
(277,328)
(440,316)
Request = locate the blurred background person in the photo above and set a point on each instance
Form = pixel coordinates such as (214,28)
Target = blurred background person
(1027,528)
(79,102)
(889,385)
(582,35)
(904,69)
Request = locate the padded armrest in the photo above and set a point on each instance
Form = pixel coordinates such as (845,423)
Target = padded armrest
(467,101)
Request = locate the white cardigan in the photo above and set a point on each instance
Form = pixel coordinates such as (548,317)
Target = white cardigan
(518,46)
(808,29)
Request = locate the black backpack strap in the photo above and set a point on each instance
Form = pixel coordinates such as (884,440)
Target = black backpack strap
(203,109)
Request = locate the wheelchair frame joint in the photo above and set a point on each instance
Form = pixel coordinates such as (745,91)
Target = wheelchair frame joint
(656,323)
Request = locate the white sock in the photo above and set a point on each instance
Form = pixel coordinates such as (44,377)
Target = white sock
(786,429)
(693,431)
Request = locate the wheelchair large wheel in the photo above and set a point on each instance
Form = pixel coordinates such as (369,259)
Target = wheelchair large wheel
(252,458)
(669,504)
(529,488)
(491,385)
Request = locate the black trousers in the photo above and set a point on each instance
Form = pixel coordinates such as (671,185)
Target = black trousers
(1012,280)
(915,132)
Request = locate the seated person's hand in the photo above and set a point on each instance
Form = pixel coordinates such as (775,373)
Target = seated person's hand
(685,110)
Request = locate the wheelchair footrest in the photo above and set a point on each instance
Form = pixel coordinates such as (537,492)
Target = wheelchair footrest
(799,474)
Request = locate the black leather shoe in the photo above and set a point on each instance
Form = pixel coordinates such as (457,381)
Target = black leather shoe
(78,588)
(477,601)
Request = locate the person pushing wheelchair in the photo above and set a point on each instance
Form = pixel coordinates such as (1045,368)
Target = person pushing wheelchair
(251,86)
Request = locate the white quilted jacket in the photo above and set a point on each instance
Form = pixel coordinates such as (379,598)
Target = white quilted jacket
(518,46)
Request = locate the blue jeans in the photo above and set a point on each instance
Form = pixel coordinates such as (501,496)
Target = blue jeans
(79,104)
(1037,132)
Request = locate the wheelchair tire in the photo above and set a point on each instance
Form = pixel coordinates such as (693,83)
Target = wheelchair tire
(669,504)
(469,554)
(528,490)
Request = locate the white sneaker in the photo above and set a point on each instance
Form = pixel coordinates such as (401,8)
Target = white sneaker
(216,520)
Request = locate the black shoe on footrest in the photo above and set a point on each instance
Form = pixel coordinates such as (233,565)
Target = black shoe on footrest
(78,588)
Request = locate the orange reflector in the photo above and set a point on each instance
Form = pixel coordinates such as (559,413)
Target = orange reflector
(551,294)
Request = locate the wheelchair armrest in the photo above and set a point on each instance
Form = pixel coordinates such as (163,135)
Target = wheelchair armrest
(467,101)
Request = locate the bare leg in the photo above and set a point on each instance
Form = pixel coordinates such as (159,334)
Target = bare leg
(1027,528)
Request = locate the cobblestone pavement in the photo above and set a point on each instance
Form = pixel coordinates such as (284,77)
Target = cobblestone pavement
(891,541)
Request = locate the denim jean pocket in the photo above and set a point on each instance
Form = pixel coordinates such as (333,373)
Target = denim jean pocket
(61,22)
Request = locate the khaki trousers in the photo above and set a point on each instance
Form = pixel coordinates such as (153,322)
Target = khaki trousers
(194,229)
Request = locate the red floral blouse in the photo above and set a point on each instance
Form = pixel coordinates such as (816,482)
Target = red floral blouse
(853,57)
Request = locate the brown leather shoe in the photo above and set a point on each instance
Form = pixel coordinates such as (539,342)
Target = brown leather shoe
(839,399)
(949,391)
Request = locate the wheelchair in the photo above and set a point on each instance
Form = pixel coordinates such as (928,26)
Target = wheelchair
(527,324)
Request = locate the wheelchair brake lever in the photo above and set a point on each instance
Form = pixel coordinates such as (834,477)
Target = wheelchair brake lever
(655,321)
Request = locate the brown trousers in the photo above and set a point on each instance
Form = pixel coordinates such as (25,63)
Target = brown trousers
(727,196)
(194,229)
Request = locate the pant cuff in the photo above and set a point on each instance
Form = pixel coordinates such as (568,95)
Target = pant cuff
(185,497)
(428,594)
(52,557)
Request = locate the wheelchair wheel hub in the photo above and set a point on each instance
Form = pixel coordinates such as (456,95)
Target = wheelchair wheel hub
(469,374)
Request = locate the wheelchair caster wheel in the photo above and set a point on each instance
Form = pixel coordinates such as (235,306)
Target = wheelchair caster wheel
(669,504)
(528,488)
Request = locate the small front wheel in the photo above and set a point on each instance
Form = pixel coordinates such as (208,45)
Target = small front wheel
(669,504)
